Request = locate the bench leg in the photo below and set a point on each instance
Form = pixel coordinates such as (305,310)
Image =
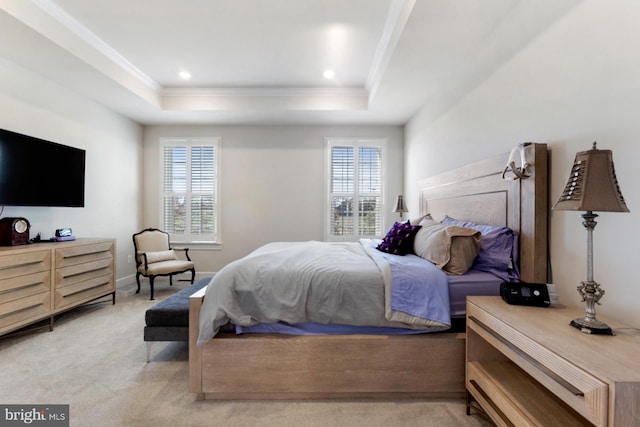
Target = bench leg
(149,344)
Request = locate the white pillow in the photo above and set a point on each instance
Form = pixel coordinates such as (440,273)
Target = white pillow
(161,256)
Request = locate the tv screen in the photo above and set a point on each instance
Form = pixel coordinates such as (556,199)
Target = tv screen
(35,172)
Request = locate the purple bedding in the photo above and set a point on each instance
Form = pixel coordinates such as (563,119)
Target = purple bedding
(473,282)
(320,329)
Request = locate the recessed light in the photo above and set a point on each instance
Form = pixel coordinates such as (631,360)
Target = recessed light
(184,75)
(329,74)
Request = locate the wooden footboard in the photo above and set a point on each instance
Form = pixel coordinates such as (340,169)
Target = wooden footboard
(324,367)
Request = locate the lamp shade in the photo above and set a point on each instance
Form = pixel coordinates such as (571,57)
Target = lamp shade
(400,206)
(592,184)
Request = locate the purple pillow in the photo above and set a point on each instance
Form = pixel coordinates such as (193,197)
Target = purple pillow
(399,239)
(498,253)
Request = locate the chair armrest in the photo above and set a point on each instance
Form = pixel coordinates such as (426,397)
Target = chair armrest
(185,250)
(146,265)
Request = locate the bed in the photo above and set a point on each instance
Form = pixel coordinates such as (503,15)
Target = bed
(279,366)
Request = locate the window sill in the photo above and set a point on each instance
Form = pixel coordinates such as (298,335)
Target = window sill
(198,246)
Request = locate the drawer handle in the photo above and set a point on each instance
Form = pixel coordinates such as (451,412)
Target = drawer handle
(555,377)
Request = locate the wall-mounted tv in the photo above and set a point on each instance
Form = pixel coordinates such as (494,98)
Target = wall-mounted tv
(35,172)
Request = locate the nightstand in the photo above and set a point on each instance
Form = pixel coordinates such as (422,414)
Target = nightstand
(526,366)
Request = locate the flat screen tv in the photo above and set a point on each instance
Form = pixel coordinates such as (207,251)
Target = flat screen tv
(35,172)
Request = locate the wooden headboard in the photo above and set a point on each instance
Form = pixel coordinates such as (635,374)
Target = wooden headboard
(478,193)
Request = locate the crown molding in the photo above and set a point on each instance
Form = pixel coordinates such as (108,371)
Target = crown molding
(264,99)
(265,92)
(90,38)
(397,18)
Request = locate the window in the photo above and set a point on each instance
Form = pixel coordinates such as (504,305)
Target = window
(355,188)
(189,181)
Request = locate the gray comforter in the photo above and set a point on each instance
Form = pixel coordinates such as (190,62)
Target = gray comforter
(294,282)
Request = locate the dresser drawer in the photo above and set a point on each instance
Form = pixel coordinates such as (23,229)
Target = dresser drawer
(83,282)
(84,290)
(25,288)
(74,274)
(40,281)
(19,312)
(24,263)
(82,254)
(26,285)
(83,273)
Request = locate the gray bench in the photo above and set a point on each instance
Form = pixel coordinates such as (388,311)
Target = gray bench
(168,320)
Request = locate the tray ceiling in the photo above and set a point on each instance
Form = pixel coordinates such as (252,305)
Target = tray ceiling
(262,61)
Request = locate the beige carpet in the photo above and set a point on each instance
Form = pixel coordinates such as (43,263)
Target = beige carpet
(95,361)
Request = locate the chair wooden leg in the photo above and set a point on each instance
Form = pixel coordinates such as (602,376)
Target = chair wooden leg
(151,285)
(138,280)
(193,275)
(170,280)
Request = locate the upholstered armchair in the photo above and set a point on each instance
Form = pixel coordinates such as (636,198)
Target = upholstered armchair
(155,257)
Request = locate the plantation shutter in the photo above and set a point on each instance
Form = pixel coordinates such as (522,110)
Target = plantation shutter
(355,189)
(189,186)
(342,191)
(370,191)
(203,179)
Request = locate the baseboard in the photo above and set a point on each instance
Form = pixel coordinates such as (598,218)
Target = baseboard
(131,278)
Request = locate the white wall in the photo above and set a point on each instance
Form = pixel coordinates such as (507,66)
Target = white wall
(577,83)
(34,106)
(271,185)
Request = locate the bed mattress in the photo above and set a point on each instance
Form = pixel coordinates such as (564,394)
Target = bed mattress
(348,283)
(471,283)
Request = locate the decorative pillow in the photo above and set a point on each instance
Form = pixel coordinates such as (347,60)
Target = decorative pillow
(498,253)
(451,248)
(399,239)
(161,256)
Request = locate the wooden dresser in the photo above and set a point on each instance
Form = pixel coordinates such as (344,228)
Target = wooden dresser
(526,366)
(40,280)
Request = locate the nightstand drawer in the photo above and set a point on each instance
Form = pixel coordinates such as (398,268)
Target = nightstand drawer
(509,388)
(579,390)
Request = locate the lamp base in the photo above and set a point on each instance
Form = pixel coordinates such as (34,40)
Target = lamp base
(592,326)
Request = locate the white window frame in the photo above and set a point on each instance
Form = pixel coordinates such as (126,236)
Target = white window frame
(355,143)
(203,241)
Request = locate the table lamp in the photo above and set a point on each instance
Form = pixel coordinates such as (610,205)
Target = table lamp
(400,206)
(592,186)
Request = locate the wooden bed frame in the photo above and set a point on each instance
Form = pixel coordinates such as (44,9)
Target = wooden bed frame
(370,366)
